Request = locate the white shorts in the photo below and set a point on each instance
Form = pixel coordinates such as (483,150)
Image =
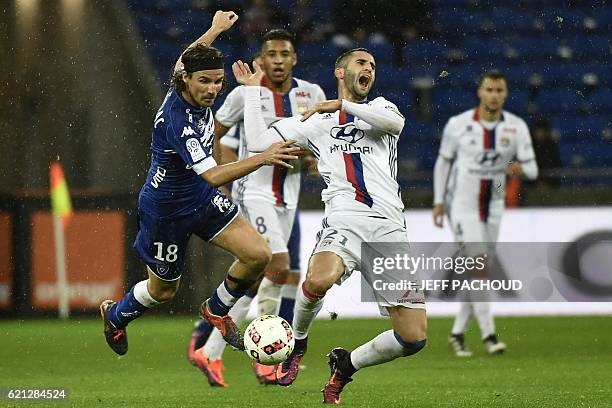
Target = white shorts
(467,227)
(343,234)
(272,221)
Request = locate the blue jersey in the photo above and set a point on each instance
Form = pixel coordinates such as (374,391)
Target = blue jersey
(182,148)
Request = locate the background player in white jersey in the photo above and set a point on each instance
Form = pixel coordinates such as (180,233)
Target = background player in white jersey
(479,148)
(268,198)
(355,142)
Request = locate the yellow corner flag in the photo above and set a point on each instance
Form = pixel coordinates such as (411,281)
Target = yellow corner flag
(60,198)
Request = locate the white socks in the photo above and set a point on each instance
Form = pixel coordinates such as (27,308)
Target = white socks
(482,311)
(463,318)
(268,296)
(484,317)
(380,349)
(307,306)
(288,291)
(215,345)
(142,295)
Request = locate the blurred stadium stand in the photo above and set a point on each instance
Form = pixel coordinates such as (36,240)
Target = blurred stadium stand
(556,54)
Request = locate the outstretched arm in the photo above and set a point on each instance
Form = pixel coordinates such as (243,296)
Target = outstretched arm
(257,136)
(222,21)
(383,117)
(276,154)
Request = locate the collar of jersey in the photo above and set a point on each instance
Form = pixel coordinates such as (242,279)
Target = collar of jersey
(476,116)
(264,82)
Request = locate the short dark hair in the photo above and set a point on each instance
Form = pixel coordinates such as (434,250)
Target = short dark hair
(198,52)
(493,74)
(278,34)
(341,61)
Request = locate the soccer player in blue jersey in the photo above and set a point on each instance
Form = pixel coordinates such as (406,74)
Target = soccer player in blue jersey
(180,198)
(267,197)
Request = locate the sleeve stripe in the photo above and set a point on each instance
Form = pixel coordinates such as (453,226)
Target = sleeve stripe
(222,122)
(204,165)
(230,142)
(279,133)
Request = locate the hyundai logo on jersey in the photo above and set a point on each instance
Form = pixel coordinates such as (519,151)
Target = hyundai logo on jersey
(488,158)
(348,133)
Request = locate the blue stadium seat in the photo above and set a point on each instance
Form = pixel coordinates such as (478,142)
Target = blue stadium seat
(325,53)
(590,47)
(463,76)
(580,127)
(601,100)
(589,153)
(518,75)
(383,52)
(452,101)
(510,20)
(517,101)
(557,75)
(422,52)
(555,100)
(458,20)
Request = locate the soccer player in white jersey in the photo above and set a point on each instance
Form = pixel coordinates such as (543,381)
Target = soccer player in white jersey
(268,198)
(480,148)
(355,142)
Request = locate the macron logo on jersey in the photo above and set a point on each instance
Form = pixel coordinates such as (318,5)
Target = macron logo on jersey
(188,131)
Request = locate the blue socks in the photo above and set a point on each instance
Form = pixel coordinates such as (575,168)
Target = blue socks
(286,309)
(224,298)
(126,310)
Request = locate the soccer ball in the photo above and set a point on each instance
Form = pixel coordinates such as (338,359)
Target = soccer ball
(269,340)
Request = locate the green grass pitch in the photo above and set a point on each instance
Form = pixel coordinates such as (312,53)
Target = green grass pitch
(550,362)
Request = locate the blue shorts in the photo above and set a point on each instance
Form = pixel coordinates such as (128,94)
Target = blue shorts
(294,244)
(162,241)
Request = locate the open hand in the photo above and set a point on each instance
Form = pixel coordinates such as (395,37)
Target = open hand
(323,107)
(279,152)
(243,73)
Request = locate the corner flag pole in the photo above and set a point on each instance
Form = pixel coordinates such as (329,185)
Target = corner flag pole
(62,210)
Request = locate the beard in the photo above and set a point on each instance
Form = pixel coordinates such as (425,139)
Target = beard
(352,85)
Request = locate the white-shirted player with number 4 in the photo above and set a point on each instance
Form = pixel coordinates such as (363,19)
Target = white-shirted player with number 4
(479,148)
(355,142)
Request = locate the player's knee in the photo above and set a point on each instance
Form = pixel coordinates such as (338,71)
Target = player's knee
(277,272)
(164,293)
(318,283)
(258,259)
(410,346)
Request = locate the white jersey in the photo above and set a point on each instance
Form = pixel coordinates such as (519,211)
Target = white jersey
(357,161)
(481,155)
(274,184)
